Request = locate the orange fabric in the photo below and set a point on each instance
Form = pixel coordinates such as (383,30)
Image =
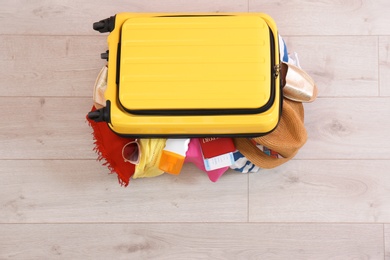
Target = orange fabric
(288,137)
(109,146)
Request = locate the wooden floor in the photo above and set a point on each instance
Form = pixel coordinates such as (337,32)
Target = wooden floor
(56,201)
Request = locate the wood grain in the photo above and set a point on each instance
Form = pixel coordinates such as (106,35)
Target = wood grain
(347,128)
(55,128)
(45,128)
(74,17)
(68,65)
(322,191)
(50,65)
(328,17)
(342,66)
(73,191)
(193,240)
(330,202)
(384,65)
(387,241)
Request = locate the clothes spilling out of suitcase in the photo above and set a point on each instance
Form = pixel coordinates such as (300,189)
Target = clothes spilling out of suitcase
(217,90)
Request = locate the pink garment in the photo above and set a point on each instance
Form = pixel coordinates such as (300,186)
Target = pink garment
(194,155)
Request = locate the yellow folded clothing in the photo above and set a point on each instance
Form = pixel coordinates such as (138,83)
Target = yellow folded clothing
(150,158)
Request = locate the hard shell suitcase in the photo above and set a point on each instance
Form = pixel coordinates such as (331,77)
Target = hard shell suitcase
(173,75)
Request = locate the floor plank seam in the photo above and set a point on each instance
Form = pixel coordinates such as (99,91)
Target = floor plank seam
(384,241)
(196,223)
(379,66)
(248,196)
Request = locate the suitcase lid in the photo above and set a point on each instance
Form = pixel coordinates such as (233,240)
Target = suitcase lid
(195,63)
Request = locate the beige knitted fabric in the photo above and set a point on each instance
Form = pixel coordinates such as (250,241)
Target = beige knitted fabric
(288,137)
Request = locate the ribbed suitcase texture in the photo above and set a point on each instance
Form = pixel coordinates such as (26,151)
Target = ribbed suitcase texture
(192,74)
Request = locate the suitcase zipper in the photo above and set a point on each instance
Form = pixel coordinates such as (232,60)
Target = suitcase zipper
(277,68)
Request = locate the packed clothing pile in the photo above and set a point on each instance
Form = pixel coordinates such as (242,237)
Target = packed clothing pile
(138,156)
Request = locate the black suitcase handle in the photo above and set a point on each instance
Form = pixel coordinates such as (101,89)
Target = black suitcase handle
(106,25)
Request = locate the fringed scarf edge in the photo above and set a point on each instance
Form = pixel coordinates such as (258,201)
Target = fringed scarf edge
(102,154)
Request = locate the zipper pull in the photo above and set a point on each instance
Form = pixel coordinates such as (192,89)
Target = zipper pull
(277,68)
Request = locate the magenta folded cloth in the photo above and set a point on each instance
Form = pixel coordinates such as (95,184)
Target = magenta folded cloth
(194,155)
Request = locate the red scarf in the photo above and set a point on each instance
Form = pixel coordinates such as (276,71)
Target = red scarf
(109,146)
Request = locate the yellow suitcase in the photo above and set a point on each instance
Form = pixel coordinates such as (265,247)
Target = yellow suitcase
(175,75)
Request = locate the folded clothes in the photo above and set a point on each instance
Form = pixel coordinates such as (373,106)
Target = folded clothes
(121,159)
(242,164)
(194,155)
(150,158)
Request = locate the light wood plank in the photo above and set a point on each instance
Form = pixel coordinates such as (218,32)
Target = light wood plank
(330,17)
(47,191)
(55,128)
(192,241)
(341,66)
(57,201)
(347,128)
(322,191)
(74,17)
(384,65)
(50,65)
(68,65)
(387,241)
(45,128)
